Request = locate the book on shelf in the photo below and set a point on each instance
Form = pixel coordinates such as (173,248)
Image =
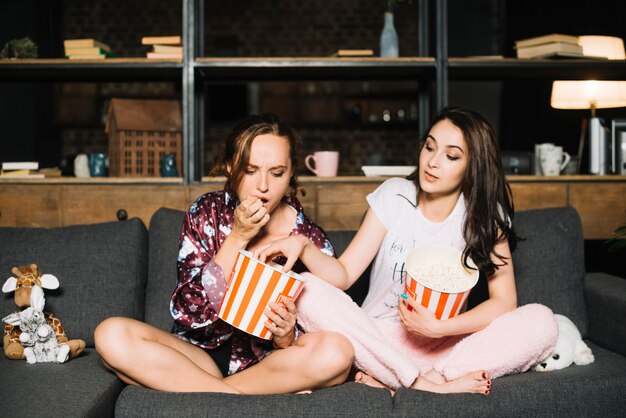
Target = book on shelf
(486,57)
(51,171)
(91,50)
(545,39)
(10,175)
(353,53)
(85,43)
(168,48)
(18,172)
(164,55)
(19,165)
(34,172)
(161,40)
(552,49)
(87,57)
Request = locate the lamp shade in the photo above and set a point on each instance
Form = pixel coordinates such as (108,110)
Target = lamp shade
(610,47)
(588,94)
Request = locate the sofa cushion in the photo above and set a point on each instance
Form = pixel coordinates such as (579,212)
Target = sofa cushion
(82,387)
(606,298)
(101,270)
(550,262)
(164,234)
(351,399)
(595,390)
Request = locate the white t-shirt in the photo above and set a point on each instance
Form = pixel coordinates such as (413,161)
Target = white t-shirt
(395,205)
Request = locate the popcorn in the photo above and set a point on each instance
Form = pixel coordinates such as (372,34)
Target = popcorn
(443,277)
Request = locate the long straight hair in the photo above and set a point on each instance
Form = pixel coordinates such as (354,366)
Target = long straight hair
(235,151)
(488,197)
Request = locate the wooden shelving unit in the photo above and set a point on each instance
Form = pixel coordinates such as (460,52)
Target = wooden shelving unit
(336,203)
(110,69)
(490,69)
(433,70)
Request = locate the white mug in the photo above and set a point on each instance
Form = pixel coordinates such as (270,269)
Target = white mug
(552,159)
(326,163)
(81,166)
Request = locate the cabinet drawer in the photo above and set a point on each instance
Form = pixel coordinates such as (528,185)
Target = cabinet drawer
(93,204)
(602,208)
(197,190)
(537,196)
(30,206)
(342,207)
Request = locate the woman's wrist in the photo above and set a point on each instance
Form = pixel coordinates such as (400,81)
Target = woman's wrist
(238,240)
(306,242)
(292,338)
(442,328)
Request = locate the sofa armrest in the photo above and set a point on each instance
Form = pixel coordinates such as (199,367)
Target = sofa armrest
(606,305)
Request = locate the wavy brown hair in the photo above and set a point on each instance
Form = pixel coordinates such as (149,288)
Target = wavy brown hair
(488,197)
(235,151)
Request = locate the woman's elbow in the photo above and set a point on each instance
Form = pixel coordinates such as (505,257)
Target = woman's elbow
(510,304)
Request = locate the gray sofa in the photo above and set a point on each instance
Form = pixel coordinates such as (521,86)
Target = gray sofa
(123,269)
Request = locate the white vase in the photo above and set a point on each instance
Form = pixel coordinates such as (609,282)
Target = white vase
(389,38)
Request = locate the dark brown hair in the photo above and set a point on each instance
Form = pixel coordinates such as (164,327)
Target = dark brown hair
(488,198)
(236,147)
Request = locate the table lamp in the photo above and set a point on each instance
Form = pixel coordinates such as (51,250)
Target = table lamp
(592,94)
(610,47)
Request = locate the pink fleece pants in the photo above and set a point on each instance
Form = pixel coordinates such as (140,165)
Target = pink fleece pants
(512,343)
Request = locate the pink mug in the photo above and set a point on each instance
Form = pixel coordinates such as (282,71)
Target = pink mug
(325,163)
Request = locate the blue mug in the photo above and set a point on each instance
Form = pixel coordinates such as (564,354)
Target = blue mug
(98,165)
(168,166)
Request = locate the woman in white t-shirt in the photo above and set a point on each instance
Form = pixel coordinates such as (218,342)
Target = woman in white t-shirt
(457,196)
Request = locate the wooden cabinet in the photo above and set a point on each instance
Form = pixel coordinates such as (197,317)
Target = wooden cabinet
(335,203)
(537,195)
(30,205)
(83,204)
(194,191)
(602,207)
(342,206)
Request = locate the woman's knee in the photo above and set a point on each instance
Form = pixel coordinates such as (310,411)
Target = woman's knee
(111,335)
(329,351)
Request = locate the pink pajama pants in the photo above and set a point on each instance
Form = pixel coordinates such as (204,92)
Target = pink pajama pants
(512,343)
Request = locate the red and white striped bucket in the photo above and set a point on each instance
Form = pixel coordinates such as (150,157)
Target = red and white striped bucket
(438,280)
(252,286)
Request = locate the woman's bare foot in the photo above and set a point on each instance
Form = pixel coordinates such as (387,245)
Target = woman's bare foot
(473,382)
(368,380)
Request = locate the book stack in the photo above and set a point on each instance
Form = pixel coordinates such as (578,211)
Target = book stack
(86,49)
(353,53)
(164,47)
(552,45)
(21,170)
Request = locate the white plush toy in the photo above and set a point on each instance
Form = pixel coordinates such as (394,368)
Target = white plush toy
(38,337)
(570,348)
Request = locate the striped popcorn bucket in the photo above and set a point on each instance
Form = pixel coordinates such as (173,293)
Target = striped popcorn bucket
(251,287)
(437,279)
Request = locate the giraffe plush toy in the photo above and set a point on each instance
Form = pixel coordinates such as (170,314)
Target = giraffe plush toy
(22,284)
(37,337)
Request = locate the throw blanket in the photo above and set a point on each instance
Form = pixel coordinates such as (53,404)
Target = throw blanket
(512,343)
